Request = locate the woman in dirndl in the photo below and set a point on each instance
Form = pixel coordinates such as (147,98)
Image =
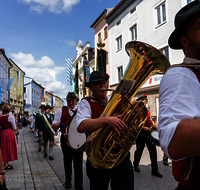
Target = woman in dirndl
(8,143)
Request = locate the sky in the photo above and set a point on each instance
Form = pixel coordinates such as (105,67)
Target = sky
(38,35)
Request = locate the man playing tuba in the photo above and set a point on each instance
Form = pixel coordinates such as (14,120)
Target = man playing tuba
(87,120)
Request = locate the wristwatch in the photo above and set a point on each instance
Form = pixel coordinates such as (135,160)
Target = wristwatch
(3,173)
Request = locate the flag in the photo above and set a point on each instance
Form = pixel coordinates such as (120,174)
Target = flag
(76,80)
(69,71)
(18,78)
(99,66)
(10,80)
(0,96)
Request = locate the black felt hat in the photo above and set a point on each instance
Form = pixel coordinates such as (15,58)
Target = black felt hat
(141,97)
(96,76)
(48,106)
(42,106)
(181,19)
(71,96)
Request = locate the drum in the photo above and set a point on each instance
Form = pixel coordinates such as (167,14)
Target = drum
(75,139)
(154,138)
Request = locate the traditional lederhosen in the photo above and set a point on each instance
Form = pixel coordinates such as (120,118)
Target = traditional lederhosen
(179,167)
(70,154)
(122,176)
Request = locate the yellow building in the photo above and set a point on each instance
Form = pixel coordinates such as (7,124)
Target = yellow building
(16,92)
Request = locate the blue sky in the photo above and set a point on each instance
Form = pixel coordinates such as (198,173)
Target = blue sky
(39,34)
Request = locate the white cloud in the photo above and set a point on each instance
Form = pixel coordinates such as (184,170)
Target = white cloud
(55,6)
(42,71)
(70,42)
(27,60)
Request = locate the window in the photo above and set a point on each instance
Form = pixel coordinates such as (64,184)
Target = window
(32,102)
(161,13)
(133,10)
(24,102)
(15,79)
(106,58)
(133,32)
(10,94)
(5,65)
(34,91)
(4,76)
(105,32)
(119,43)
(99,37)
(21,83)
(10,75)
(120,73)
(118,23)
(2,63)
(165,51)
(24,89)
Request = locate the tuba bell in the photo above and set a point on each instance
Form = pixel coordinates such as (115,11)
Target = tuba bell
(104,148)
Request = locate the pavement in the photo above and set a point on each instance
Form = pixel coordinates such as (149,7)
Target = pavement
(31,171)
(34,172)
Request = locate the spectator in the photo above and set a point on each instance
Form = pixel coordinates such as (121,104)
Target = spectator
(8,143)
(2,174)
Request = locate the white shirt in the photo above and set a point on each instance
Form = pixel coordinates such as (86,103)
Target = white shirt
(11,119)
(84,111)
(178,100)
(58,114)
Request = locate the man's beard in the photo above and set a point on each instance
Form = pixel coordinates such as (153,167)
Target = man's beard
(195,49)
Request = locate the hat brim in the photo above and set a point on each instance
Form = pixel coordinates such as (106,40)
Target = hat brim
(48,107)
(97,80)
(42,107)
(174,39)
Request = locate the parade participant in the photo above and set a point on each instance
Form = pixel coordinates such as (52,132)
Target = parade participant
(2,174)
(87,120)
(8,144)
(44,131)
(144,138)
(179,105)
(62,119)
(37,119)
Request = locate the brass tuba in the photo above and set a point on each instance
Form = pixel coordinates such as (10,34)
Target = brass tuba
(104,148)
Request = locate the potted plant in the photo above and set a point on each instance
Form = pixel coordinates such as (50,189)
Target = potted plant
(15,100)
(11,99)
(101,45)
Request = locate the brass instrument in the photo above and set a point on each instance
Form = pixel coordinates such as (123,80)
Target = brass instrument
(104,148)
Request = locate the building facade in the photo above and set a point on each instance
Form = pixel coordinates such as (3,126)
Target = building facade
(16,92)
(5,66)
(101,35)
(31,96)
(84,53)
(147,21)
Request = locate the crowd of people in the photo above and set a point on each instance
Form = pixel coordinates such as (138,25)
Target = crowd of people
(178,125)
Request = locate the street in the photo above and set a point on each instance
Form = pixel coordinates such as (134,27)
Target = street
(143,180)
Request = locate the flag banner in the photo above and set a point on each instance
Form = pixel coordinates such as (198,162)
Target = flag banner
(69,71)
(76,76)
(87,69)
(18,78)
(10,80)
(0,96)
(99,66)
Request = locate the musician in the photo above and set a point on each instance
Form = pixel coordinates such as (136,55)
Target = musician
(37,119)
(62,119)
(87,119)
(179,111)
(43,131)
(144,138)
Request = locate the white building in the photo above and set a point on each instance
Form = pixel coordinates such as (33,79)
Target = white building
(149,21)
(89,56)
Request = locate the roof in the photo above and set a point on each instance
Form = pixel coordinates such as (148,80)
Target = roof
(3,53)
(105,12)
(12,62)
(37,84)
(121,6)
